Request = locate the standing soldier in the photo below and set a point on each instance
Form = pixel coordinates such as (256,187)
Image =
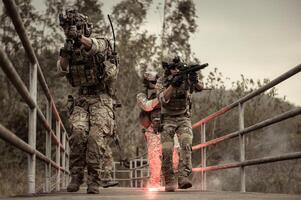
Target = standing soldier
(150,120)
(90,65)
(175,99)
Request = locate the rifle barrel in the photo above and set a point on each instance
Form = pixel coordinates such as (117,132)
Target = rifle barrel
(193,68)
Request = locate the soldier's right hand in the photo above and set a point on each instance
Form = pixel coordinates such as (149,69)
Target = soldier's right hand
(177,81)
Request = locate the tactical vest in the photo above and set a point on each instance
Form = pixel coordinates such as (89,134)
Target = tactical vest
(85,70)
(179,102)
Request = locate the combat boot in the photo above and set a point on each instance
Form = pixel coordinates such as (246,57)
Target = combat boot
(184,183)
(109,183)
(170,185)
(74,184)
(93,189)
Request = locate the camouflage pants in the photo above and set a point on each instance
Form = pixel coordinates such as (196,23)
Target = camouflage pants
(154,152)
(107,163)
(182,127)
(92,122)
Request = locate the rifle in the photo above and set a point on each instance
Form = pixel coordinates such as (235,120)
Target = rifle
(185,70)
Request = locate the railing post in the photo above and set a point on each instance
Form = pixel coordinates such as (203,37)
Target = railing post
(67,161)
(148,173)
(114,171)
(242,147)
(141,172)
(64,159)
(204,157)
(32,128)
(58,153)
(48,147)
(135,166)
(131,173)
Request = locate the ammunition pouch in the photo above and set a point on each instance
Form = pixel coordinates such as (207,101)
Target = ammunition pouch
(85,71)
(83,75)
(176,104)
(178,101)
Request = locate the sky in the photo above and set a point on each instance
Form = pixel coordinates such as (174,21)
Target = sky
(257,38)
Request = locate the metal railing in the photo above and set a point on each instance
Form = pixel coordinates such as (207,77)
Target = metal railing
(136,175)
(242,131)
(59,135)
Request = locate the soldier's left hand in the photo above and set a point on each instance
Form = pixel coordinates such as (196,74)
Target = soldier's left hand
(193,78)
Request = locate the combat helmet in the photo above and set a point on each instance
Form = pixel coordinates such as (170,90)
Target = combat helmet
(150,79)
(75,20)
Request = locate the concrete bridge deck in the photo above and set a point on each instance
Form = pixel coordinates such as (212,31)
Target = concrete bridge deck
(138,194)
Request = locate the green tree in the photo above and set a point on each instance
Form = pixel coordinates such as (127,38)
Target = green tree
(179,24)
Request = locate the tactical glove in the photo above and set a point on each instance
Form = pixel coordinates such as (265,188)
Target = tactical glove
(177,81)
(193,78)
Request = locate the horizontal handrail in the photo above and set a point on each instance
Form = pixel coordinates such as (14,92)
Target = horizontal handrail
(15,79)
(10,137)
(242,131)
(268,122)
(249,96)
(269,159)
(140,167)
(19,27)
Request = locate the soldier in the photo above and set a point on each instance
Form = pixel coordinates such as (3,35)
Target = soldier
(150,120)
(89,64)
(175,100)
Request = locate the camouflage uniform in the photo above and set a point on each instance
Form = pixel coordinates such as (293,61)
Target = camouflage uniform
(175,120)
(92,118)
(107,164)
(154,147)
